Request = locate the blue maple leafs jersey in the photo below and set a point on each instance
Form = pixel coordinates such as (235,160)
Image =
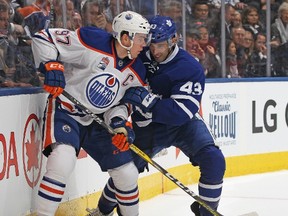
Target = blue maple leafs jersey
(180,80)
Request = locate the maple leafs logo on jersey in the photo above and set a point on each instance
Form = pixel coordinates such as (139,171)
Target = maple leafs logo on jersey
(151,67)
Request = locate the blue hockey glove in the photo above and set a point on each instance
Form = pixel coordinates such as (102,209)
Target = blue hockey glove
(54,81)
(124,134)
(141,97)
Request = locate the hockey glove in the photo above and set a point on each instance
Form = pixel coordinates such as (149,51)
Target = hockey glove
(141,97)
(54,81)
(124,134)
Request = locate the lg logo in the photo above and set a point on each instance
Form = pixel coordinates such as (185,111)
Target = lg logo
(269,117)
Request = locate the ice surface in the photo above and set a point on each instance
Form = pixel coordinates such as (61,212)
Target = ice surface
(265,194)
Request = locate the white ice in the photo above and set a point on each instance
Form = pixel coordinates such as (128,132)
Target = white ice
(266,194)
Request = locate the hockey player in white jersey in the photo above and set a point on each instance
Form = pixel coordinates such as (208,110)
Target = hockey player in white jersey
(97,68)
(173,119)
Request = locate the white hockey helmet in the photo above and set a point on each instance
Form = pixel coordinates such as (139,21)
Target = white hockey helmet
(130,22)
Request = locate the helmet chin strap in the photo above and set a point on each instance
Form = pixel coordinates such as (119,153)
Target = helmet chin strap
(127,48)
(129,54)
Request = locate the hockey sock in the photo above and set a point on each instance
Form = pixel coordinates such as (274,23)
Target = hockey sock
(49,196)
(107,201)
(126,188)
(211,195)
(212,167)
(60,165)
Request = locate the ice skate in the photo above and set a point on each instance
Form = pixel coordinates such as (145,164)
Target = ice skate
(195,208)
(97,212)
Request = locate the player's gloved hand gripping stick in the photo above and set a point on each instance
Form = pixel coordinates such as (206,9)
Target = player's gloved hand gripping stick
(54,81)
(124,133)
(142,155)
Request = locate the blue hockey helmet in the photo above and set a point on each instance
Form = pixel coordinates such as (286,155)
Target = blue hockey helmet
(162,28)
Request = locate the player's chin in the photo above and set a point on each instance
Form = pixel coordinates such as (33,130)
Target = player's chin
(158,59)
(135,55)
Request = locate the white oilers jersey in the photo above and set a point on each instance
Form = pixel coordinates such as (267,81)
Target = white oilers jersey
(94,74)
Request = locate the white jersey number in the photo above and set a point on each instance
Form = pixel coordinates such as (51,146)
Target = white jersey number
(192,88)
(63,37)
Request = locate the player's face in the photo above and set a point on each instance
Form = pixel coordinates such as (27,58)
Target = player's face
(159,50)
(139,42)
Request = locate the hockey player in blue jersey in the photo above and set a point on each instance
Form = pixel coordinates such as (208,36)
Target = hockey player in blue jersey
(173,118)
(97,68)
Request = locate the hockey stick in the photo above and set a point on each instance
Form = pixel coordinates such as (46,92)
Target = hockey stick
(142,155)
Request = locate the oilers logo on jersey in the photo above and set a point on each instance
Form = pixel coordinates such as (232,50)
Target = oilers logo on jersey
(102,90)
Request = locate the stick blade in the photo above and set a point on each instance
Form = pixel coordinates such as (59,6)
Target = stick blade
(250,214)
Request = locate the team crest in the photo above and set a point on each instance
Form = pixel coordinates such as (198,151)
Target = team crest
(102,90)
(66,128)
(103,63)
(151,67)
(128,16)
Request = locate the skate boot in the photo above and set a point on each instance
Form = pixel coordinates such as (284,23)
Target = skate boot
(195,208)
(97,212)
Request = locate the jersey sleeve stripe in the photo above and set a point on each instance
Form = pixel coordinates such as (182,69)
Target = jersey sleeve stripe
(185,109)
(89,47)
(186,97)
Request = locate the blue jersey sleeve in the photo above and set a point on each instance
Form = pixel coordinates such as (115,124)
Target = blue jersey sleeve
(181,85)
